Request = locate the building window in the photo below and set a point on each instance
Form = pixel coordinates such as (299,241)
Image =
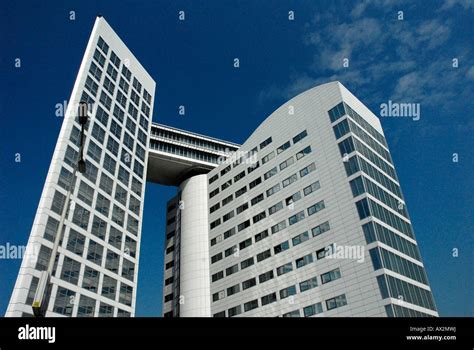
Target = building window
(330,276)
(214,178)
(255,182)
(118,215)
(94,253)
(225,170)
(281,270)
(246,243)
(102,205)
(303,261)
(218,296)
(90,281)
(302,237)
(115,238)
(99,227)
(81,217)
(253,304)
(228,216)
(246,263)
(288,181)
(287,292)
(76,242)
(240,192)
(126,293)
(336,302)
(231,270)
(257,199)
(229,233)
(227,184)
(239,176)
(233,290)
(70,271)
(305,171)
(43,258)
(62,303)
(261,235)
(281,247)
(303,152)
(309,284)
(272,190)
(266,276)
(65,179)
(324,252)
(51,229)
(215,207)
(296,218)
(112,261)
(264,255)
(259,217)
(216,258)
(270,173)
(86,307)
(313,309)
(249,283)
(213,193)
(283,147)
(227,200)
(294,198)
(268,157)
(215,223)
(316,207)
(265,143)
(85,193)
(268,299)
(230,251)
(236,310)
(217,276)
(294,313)
(287,163)
(311,188)
(242,208)
(274,208)
(300,136)
(278,227)
(243,225)
(320,229)
(106,310)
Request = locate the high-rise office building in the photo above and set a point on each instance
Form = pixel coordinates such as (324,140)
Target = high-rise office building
(306,218)
(95,273)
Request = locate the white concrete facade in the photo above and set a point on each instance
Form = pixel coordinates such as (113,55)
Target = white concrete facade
(78,286)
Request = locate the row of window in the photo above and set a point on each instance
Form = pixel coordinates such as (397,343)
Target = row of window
(71,271)
(286,292)
(115,60)
(405,292)
(184,151)
(367,207)
(289,201)
(351,144)
(299,263)
(342,109)
(347,125)
(383,258)
(361,184)
(64,304)
(264,159)
(373,231)
(308,311)
(286,182)
(356,163)
(190,140)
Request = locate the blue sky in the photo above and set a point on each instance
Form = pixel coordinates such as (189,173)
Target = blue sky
(409,61)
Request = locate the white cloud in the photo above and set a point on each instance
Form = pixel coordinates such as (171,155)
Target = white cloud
(408,59)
